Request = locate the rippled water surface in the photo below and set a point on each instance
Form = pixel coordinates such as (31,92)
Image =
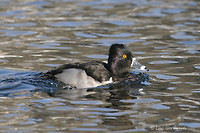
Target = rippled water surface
(36,36)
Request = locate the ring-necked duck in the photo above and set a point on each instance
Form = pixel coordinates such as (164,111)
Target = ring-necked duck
(96,73)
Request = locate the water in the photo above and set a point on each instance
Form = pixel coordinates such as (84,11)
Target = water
(36,36)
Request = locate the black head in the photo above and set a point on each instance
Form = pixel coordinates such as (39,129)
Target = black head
(121,60)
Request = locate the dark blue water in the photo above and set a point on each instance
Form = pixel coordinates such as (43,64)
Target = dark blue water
(36,36)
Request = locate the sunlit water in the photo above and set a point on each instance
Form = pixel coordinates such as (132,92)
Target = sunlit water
(36,36)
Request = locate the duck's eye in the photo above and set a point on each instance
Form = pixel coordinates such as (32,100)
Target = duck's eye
(124,56)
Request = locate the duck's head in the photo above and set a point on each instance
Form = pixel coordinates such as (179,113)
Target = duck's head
(121,60)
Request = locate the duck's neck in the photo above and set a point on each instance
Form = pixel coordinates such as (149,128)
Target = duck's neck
(115,71)
(111,67)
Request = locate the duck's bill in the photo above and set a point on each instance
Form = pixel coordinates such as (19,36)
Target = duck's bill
(137,65)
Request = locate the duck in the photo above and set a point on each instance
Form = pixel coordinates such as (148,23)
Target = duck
(97,73)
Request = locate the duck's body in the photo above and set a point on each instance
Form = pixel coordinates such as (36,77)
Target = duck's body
(96,73)
(82,75)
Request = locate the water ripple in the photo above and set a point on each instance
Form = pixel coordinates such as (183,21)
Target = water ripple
(36,36)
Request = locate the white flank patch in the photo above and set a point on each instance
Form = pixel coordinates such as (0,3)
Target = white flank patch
(79,78)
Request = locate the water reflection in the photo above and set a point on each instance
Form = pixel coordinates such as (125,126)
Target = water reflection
(36,36)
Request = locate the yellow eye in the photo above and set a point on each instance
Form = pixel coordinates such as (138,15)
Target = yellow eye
(124,56)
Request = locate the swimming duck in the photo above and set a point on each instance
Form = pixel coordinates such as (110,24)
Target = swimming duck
(97,73)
